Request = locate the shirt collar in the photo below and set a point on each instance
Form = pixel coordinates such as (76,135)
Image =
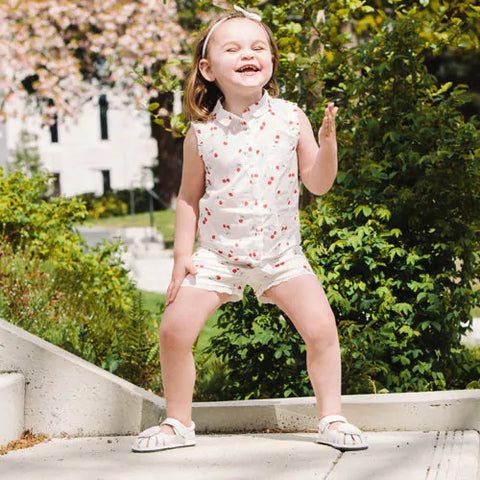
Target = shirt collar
(253,111)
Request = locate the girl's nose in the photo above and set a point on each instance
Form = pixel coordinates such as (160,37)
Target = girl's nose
(247,54)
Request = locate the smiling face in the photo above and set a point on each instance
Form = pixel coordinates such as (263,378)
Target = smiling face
(239,57)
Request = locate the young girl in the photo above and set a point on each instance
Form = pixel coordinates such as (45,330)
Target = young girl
(242,156)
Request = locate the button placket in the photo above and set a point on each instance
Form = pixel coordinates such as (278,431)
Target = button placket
(255,174)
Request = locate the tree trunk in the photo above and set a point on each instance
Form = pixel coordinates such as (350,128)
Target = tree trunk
(169,148)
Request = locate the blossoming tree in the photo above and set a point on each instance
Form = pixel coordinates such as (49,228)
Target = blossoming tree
(57,54)
(62,51)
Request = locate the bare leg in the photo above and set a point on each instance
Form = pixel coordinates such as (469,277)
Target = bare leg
(304,301)
(181,324)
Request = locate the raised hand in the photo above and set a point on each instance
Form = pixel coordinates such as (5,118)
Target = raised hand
(327,132)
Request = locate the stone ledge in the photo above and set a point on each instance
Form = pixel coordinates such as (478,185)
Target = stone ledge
(445,410)
(66,395)
(12,398)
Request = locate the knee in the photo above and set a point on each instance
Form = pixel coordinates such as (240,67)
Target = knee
(321,332)
(172,337)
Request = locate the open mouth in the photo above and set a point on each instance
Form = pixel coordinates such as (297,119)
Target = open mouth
(248,69)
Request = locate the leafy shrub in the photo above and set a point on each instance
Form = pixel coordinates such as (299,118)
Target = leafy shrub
(390,313)
(26,218)
(117,202)
(139,359)
(406,147)
(106,205)
(397,328)
(211,379)
(262,354)
(78,298)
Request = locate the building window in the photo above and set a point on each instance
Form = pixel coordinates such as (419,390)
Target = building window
(103,117)
(56,185)
(54,130)
(106,181)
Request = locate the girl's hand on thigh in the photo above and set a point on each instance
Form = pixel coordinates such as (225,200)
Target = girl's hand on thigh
(182,266)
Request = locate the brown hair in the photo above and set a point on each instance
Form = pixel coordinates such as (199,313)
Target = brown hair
(201,95)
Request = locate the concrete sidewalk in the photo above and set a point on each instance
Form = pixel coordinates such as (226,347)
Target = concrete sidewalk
(391,456)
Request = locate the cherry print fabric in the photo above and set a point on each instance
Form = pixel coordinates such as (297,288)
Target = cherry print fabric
(248,215)
(250,207)
(220,275)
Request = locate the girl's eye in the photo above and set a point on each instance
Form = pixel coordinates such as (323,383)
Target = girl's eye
(259,48)
(231,50)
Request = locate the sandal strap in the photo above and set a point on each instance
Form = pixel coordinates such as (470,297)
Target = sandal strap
(150,432)
(326,421)
(349,429)
(178,427)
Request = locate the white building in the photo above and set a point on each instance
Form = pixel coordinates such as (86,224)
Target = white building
(108,147)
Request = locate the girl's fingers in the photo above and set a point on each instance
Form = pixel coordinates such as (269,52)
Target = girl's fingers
(172,291)
(169,294)
(172,287)
(331,111)
(177,279)
(328,123)
(190,268)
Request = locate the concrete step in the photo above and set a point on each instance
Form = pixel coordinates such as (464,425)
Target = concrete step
(12,406)
(139,239)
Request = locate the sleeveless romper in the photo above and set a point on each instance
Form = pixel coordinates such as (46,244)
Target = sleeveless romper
(248,225)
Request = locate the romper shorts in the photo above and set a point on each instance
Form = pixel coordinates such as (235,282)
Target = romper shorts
(217,273)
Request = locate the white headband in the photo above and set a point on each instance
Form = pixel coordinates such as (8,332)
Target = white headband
(252,16)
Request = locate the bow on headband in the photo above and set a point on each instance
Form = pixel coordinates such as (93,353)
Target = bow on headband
(250,15)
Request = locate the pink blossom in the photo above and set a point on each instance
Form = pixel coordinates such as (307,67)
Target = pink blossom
(60,41)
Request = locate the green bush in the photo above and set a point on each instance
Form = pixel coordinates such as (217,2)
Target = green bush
(117,203)
(102,206)
(390,312)
(397,328)
(405,146)
(26,218)
(78,298)
(261,352)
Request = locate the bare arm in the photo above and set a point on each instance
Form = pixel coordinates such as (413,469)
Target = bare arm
(318,165)
(191,191)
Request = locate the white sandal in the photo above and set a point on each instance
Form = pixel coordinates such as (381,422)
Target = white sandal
(153,440)
(345,437)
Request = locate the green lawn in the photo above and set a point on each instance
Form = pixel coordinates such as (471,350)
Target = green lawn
(152,301)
